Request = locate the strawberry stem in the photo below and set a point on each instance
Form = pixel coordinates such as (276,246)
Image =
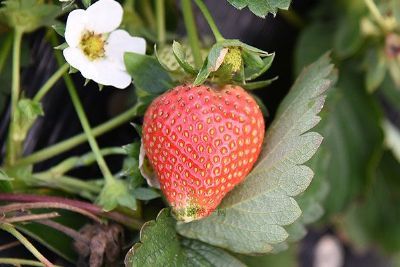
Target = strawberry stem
(50,82)
(109,178)
(160,12)
(191,29)
(12,149)
(207,15)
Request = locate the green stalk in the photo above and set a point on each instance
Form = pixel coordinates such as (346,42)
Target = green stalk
(160,10)
(15,90)
(21,262)
(84,160)
(207,15)
(50,82)
(109,178)
(85,189)
(191,29)
(76,140)
(148,12)
(10,229)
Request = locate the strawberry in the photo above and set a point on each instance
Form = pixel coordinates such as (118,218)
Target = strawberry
(201,142)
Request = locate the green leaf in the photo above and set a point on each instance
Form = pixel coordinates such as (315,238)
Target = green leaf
(254,214)
(28,15)
(59,27)
(143,193)
(86,3)
(143,69)
(213,61)
(130,168)
(116,193)
(261,8)
(376,69)
(4,176)
(25,115)
(354,138)
(255,65)
(347,38)
(313,42)
(181,56)
(374,221)
(160,246)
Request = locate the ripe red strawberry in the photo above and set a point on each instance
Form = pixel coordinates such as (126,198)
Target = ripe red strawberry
(202,141)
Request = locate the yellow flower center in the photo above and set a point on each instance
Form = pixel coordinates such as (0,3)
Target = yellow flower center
(93,45)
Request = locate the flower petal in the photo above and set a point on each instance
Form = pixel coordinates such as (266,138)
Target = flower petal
(104,16)
(76,22)
(108,73)
(120,42)
(79,61)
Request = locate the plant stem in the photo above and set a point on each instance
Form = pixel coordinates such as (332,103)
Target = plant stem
(130,221)
(50,82)
(78,139)
(64,229)
(47,205)
(31,217)
(207,15)
(10,229)
(9,245)
(21,262)
(85,189)
(160,10)
(191,29)
(109,178)
(148,12)
(376,14)
(84,160)
(15,88)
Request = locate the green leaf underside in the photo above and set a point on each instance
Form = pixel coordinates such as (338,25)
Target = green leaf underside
(254,214)
(261,8)
(160,246)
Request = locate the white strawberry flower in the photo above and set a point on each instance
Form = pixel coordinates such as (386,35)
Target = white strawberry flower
(97,47)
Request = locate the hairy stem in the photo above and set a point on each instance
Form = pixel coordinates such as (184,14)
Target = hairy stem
(192,33)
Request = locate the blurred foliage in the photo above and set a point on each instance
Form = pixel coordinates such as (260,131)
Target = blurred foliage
(362,176)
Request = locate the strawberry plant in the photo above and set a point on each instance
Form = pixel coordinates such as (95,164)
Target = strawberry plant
(196,162)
